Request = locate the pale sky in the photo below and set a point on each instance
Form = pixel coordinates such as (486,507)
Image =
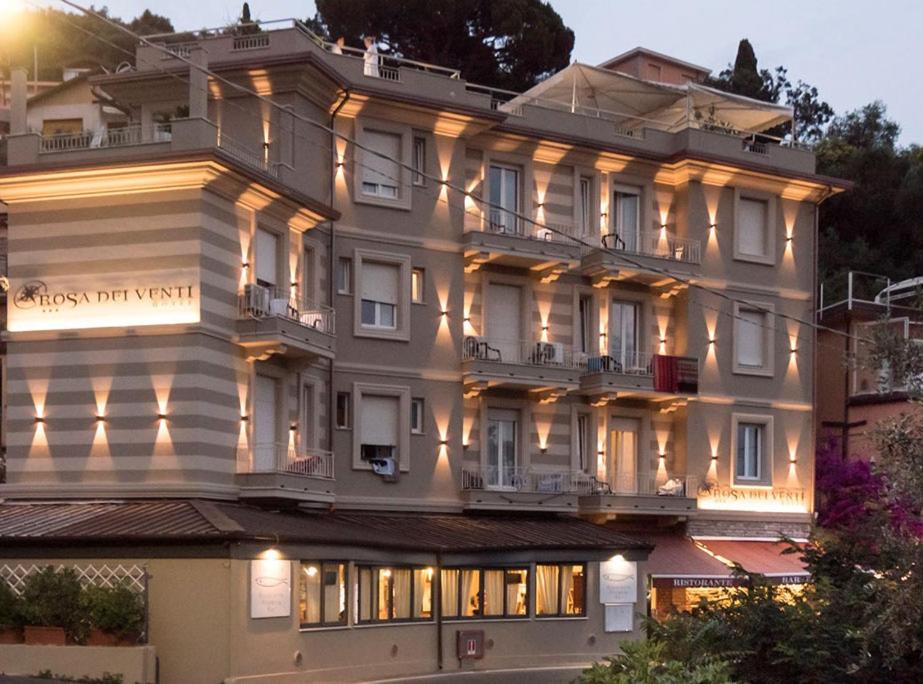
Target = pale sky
(852,50)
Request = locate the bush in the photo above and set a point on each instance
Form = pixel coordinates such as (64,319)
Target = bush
(116,610)
(644,662)
(52,598)
(10,607)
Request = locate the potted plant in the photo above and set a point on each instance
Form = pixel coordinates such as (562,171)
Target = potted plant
(115,615)
(10,625)
(51,607)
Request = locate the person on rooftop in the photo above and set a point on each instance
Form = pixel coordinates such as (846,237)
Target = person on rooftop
(371,57)
(337,47)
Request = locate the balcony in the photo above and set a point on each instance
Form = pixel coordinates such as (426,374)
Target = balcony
(273,321)
(628,494)
(280,471)
(548,369)
(506,240)
(543,488)
(639,375)
(646,258)
(123,136)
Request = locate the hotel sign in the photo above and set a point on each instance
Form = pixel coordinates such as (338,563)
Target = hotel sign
(270,588)
(770,499)
(103,300)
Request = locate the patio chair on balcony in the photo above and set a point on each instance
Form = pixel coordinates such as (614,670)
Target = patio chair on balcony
(598,486)
(603,364)
(475,348)
(615,239)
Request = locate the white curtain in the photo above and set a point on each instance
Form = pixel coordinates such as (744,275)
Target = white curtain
(516,588)
(450,593)
(423,592)
(310,593)
(470,581)
(401,593)
(546,589)
(334,579)
(493,592)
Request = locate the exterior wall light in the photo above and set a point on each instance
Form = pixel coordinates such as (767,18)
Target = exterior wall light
(293,427)
(244,417)
(161,416)
(100,418)
(794,350)
(40,419)
(789,238)
(245,264)
(443,442)
(714,457)
(339,164)
(663,340)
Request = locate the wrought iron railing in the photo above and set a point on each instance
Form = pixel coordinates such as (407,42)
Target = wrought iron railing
(657,243)
(521,352)
(260,301)
(247,155)
(529,479)
(627,484)
(671,374)
(285,459)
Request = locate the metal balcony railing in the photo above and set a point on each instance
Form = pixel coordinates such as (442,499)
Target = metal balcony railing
(114,137)
(526,479)
(657,243)
(260,301)
(252,41)
(674,374)
(628,362)
(523,353)
(248,156)
(284,459)
(621,484)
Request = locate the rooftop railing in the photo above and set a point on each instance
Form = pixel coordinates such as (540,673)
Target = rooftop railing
(854,287)
(284,459)
(521,352)
(526,479)
(122,136)
(260,301)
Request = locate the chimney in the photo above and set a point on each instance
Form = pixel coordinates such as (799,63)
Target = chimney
(18,98)
(198,84)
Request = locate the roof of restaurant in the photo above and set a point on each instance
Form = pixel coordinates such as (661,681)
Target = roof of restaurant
(205,521)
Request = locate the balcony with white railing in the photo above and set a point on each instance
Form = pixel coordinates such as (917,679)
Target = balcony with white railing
(645,258)
(650,494)
(520,364)
(122,136)
(282,471)
(639,374)
(275,320)
(503,238)
(491,487)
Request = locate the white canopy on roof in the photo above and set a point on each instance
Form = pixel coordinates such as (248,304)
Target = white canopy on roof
(635,103)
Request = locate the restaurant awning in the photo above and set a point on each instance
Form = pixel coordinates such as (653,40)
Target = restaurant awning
(681,562)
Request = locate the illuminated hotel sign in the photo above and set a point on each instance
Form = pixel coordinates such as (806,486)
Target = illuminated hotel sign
(769,499)
(103,301)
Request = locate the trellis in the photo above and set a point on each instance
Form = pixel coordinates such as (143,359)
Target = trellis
(105,575)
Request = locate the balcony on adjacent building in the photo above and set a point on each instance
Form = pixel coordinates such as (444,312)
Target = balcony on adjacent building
(651,258)
(273,321)
(506,240)
(639,375)
(284,472)
(546,368)
(546,488)
(631,494)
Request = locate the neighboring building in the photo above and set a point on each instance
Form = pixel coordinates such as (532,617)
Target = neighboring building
(856,397)
(245,354)
(654,66)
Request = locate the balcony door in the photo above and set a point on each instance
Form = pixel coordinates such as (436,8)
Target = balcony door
(626,203)
(504,320)
(265,423)
(623,334)
(502,447)
(504,199)
(623,455)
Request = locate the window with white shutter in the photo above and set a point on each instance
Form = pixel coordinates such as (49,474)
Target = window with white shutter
(751,339)
(380,289)
(267,258)
(379,417)
(752,233)
(381,172)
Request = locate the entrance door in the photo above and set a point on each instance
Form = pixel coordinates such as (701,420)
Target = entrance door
(504,320)
(265,425)
(623,455)
(623,335)
(501,449)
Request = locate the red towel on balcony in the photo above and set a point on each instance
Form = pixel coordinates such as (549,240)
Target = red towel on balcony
(666,373)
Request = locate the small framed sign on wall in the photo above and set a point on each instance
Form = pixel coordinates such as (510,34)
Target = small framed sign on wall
(270,588)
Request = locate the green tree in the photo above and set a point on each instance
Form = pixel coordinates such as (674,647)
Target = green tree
(509,44)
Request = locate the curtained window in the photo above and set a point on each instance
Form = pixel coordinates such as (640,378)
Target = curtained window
(560,589)
(485,592)
(322,593)
(395,594)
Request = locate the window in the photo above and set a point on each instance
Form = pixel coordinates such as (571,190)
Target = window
(586,342)
(62,127)
(344,275)
(752,341)
(416,285)
(560,590)
(416,416)
(583,442)
(485,592)
(502,448)
(344,410)
(419,161)
(378,429)
(322,594)
(655,72)
(308,417)
(504,199)
(626,215)
(749,451)
(587,210)
(380,285)
(267,258)
(381,168)
(753,228)
(623,335)
(307,275)
(395,594)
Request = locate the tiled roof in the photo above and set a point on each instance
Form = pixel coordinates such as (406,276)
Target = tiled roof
(201,521)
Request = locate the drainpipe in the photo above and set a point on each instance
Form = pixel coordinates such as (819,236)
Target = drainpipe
(437,608)
(331,260)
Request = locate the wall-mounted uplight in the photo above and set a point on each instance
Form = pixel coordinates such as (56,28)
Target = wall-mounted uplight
(244,417)
(793,459)
(40,420)
(711,341)
(339,164)
(161,416)
(293,427)
(444,313)
(793,350)
(663,340)
(545,328)
(443,442)
(100,418)
(714,457)
(245,264)
(789,238)
(712,227)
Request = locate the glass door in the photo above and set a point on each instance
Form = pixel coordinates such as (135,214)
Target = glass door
(623,455)
(501,453)
(265,424)
(623,335)
(504,199)
(627,220)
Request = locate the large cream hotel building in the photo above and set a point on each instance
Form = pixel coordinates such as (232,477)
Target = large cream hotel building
(358,370)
